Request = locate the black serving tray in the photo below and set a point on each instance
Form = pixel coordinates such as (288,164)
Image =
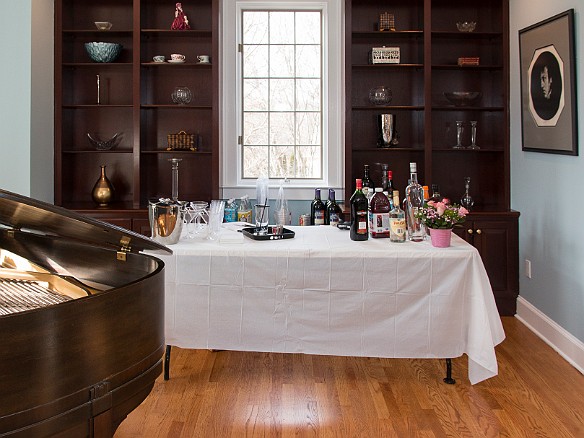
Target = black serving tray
(252,233)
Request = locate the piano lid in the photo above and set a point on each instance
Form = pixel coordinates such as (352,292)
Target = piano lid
(29,215)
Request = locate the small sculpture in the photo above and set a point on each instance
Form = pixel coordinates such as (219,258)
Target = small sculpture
(181,22)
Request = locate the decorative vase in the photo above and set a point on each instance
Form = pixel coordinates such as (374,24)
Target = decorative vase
(103,190)
(440,237)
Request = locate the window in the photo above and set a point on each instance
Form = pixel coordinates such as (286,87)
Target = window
(281,94)
(281,76)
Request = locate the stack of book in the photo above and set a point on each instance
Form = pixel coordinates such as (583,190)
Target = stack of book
(468,61)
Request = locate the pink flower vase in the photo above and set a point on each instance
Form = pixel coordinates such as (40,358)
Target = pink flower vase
(440,237)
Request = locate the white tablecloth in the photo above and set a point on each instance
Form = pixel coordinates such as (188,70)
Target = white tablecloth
(321,293)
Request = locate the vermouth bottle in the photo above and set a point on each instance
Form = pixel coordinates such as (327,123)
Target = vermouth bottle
(359,229)
(414,203)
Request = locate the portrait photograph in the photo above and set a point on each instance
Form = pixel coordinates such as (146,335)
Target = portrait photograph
(548,87)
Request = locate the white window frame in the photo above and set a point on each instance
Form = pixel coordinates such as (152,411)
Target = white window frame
(232,183)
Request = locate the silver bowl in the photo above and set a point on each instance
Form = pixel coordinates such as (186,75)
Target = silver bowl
(466,26)
(103,52)
(462,98)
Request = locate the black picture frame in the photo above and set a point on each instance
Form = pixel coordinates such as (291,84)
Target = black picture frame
(548,86)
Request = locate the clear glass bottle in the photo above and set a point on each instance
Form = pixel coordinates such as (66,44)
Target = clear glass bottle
(414,202)
(397,221)
(466,201)
(359,229)
(379,214)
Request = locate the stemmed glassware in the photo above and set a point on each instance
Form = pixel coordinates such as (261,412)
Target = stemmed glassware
(459,131)
(196,218)
(473,135)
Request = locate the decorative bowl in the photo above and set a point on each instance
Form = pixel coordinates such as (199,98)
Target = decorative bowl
(104,145)
(103,52)
(103,25)
(380,95)
(462,98)
(466,26)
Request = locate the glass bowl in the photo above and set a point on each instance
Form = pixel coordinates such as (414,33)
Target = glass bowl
(462,98)
(380,95)
(103,52)
(466,26)
(182,95)
(103,25)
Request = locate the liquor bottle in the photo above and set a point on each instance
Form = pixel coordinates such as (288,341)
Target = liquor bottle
(414,202)
(379,214)
(368,184)
(426,193)
(317,210)
(466,201)
(333,211)
(436,197)
(359,229)
(390,188)
(397,221)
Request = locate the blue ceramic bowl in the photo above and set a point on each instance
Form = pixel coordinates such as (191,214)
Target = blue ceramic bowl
(103,52)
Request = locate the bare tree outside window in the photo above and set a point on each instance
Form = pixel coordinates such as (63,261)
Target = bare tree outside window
(282,94)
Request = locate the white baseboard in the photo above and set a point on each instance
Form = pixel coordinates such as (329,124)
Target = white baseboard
(567,345)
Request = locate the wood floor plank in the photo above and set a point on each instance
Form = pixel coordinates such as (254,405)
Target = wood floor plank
(242,394)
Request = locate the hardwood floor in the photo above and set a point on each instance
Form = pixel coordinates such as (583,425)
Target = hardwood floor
(237,394)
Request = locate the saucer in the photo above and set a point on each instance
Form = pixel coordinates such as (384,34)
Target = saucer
(176,61)
(204,62)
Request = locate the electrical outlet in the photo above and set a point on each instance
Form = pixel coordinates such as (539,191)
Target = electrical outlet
(528,268)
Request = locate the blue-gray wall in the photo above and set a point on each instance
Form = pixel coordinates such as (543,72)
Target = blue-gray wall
(546,189)
(26,97)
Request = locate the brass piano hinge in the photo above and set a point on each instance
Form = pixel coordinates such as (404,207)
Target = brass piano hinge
(124,249)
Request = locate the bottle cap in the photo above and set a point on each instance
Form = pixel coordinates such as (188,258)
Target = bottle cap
(413,167)
(378,189)
(359,183)
(389,174)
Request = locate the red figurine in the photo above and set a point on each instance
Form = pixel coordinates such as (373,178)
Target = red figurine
(181,22)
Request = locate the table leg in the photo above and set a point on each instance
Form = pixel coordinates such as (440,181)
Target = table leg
(167,363)
(448,379)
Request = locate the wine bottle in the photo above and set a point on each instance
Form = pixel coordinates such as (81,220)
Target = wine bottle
(368,184)
(436,197)
(359,229)
(317,210)
(379,214)
(414,202)
(390,188)
(397,221)
(333,211)
(426,193)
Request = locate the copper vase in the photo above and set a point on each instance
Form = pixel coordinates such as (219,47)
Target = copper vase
(103,190)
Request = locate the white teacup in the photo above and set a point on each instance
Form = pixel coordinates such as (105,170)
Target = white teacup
(159,58)
(203,59)
(177,57)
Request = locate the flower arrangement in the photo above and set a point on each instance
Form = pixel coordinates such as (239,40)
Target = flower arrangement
(442,215)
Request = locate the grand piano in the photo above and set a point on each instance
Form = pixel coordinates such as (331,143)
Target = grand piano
(81,321)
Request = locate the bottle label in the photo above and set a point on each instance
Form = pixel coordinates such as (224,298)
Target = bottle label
(333,219)
(379,224)
(230,214)
(319,217)
(398,229)
(244,216)
(361,222)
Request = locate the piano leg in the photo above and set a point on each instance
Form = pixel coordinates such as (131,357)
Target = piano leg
(167,363)
(448,379)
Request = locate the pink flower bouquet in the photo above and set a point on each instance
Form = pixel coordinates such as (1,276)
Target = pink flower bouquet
(442,215)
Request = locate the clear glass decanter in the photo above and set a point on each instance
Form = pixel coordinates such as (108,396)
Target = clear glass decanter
(466,201)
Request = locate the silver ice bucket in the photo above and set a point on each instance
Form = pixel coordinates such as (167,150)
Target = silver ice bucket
(166,220)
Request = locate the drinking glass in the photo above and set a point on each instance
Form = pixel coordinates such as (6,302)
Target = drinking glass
(262,217)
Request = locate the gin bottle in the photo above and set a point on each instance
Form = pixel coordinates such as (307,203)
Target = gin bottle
(414,202)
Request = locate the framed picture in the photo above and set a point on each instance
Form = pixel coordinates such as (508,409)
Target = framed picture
(548,86)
